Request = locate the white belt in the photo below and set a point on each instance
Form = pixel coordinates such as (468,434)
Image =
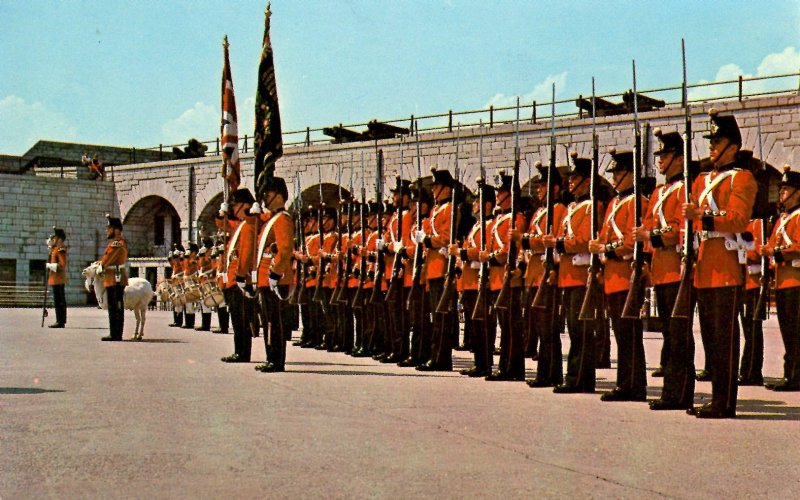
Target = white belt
(753,269)
(709,235)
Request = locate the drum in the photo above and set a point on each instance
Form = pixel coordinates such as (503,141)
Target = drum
(191,287)
(212,294)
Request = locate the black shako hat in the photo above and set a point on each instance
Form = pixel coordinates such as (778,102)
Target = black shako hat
(544,171)
(443,177)
(59,233)
(790,178)
(724,126)
(421,194)
(670,142)
(193,247)
(242,195)
(620,161)
(504,181)
(114,222)
(405,187)
(580,166)
(487,190)
(277,185)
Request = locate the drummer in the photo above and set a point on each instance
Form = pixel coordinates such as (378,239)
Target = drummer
(204,273)
(189,277)
(176,282)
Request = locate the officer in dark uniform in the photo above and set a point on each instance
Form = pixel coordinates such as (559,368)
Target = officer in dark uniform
(115,278)
(57,275)
(722,206)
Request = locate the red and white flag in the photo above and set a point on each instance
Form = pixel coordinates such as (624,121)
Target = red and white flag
(229,131)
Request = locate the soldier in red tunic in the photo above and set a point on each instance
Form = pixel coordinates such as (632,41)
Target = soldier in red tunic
(115,277)
(57,275)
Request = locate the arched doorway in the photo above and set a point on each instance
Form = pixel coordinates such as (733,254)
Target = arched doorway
(206,225)
(151,226)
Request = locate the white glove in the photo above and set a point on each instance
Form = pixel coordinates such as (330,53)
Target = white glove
(380,244)
(397,246)
(273,284)
(241,285)
(475,264)
(223,208)
(255,208)
(444,251)
(100,270)
(419,236)
(52,267)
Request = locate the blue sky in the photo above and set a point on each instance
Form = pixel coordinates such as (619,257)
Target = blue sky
(140,73)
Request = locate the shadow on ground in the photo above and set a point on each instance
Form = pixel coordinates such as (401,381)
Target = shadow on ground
(26,390)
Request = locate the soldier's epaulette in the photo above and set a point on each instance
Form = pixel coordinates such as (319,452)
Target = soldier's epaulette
(116,243)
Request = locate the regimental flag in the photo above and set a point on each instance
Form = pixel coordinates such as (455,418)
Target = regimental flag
(267,138)
(229,129)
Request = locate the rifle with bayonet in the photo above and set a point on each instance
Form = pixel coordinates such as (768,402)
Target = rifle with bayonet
(760,311)
(393,293)
(447,301)
(592,307)
(380,254)
(319,294)
(415,294)
(360,296)
(481,311)
(339,295)
(504,297)
(297,295)
(635,298)
(683,300)
(546,291)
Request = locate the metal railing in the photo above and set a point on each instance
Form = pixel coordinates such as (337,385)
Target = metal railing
(14,294)
(723,90)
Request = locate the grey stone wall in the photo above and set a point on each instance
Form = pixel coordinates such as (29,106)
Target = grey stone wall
(32,205)
(780,127)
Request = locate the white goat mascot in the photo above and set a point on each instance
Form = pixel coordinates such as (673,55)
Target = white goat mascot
(138,295)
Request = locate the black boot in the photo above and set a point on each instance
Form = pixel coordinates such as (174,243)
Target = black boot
(189,321)
(205,325)
(177,318)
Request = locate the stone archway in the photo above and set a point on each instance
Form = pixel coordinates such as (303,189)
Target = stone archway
(206,224)
(152,224)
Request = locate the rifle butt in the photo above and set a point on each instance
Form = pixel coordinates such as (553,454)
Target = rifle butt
(633,301)
(683,300)
(591,303)
(504,297)
(481,305)
(445,304)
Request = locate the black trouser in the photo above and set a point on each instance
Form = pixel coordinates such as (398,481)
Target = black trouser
(788,304)
(420,328)
(401,326)
(547,327)
(581,370)
(177,317)
(602,339)
(512,336)
(679,368)
(60,304)
(382,327)
(238,306)
(483,330)
(442,335)
(222,313)
(753,331)
(344,322)
(278,325)
(531,333)
(631,364)
(359,318)
(116,311)
(664,308)
(328,326)
(718,310)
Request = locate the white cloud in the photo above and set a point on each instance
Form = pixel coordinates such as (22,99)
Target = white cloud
(779,63)
(22,124)
(542,92)
(200,122)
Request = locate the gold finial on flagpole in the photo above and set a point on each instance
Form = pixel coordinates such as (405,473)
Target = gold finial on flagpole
(225,41)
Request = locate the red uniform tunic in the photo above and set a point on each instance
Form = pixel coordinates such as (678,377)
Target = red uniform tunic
(785,241)
(329,242)
(498,245)
(58,255)
(437,230)
(533,240)
(276,234)
(113,262)
(470,249)
(241,252)
(617,235)
(726,196)
(572,244)
(664,211)
(753,270)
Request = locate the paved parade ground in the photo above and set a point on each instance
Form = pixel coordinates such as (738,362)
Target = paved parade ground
(164,418)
